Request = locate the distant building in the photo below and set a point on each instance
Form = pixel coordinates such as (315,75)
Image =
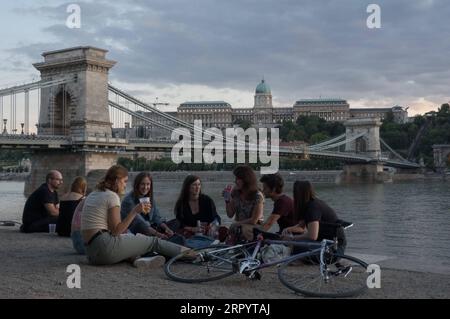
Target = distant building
(263,114)
(139,128)
(220,114)
(400,114)
(144,129)
(212,113)
(336,110)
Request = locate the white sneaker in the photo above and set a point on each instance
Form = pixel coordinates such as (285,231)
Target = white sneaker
(150,262)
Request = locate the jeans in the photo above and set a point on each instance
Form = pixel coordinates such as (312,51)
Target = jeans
(77,241)
(107,249)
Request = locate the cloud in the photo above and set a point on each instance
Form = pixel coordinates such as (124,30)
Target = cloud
(304,49)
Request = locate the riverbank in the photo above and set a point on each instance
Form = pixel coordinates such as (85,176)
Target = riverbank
(322,177)
(14,177)
(34,266)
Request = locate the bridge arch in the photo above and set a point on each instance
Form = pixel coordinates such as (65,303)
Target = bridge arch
(63,111)
(361,145)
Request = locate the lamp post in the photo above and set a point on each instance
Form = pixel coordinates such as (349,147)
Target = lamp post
(4,126)
(22,125)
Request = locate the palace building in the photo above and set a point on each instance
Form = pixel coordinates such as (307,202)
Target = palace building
(221,114)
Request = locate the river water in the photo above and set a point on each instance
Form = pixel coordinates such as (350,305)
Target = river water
(409,221)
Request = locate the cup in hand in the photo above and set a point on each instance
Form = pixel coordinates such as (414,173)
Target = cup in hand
(199,228)
(227,193)
(51,228)
(145,201)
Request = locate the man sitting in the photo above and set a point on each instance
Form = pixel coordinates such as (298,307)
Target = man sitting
(42,207)
(283,208)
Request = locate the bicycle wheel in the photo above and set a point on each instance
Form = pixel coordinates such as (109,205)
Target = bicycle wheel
(214,262)
(345,276)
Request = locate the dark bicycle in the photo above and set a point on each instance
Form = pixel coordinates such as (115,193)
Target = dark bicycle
(324,272)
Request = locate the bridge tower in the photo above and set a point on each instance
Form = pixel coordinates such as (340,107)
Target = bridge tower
(77,109)
(441,154)
(368,144)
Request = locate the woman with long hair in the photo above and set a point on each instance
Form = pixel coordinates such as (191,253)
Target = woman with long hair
(193,207)
(150,224)
(244,202)
(103,231)
(68,204)
(311,213)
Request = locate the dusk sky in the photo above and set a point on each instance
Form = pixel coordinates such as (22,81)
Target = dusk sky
(219,50)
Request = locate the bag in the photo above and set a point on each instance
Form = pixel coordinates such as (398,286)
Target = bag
(274,252)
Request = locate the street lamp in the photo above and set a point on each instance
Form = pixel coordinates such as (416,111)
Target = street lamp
(4,127)
(22,124)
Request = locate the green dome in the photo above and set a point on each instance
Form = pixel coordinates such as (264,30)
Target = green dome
(263,88)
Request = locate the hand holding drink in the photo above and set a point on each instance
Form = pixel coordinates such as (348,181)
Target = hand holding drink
(227,193)
(146,205)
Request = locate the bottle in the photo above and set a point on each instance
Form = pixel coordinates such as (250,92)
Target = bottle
(214,229)
(199,226)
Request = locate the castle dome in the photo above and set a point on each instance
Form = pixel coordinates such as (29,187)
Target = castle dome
(262,88)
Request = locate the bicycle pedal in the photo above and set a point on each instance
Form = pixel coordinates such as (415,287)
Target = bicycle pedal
(255,276)
(347,271)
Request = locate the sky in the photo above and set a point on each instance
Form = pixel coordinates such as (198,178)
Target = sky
(191,50)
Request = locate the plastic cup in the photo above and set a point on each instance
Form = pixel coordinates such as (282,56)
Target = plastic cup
(145,200)
(51,228)
(227,192)
(199,226)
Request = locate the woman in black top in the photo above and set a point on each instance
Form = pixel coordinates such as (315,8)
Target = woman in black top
(192,206)
(68,204)
(314,215)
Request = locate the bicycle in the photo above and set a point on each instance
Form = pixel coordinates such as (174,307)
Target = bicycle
(324,271)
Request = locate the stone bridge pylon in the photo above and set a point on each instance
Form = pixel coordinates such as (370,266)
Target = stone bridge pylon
(368,144)
(77,109)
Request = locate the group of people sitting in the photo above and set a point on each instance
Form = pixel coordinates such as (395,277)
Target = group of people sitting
(109,230)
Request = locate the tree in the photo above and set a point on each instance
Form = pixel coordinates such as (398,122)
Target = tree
(318,137)
(444,109)
(244,124)
(125,162)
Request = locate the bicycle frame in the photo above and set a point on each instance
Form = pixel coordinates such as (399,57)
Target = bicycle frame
(317,248)
(328,274)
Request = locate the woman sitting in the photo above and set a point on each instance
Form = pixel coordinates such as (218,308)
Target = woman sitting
(144,223)
(195,212)
(102,230)
(68,204)
(245,203)
(75,229)
(314,216)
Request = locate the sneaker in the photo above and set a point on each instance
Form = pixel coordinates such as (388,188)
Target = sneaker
(150,262)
